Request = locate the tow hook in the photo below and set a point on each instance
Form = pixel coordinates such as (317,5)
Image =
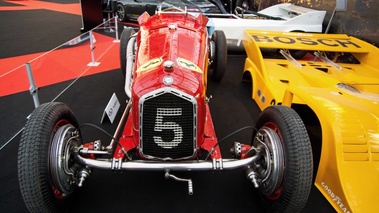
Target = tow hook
(83,175)
(190,186)
(253,177)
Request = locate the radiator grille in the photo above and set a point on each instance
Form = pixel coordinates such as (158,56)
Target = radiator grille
(168,125)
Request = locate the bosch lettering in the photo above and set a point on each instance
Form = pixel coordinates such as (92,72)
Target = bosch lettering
(306,41)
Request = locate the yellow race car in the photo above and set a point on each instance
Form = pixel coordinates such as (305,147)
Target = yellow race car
(334,88)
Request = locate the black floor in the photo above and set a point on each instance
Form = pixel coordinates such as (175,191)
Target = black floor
(231,107)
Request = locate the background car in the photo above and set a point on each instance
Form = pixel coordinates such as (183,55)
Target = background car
(280,17)
(130,10)
(335,91)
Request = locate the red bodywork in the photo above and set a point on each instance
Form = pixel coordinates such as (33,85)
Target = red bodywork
(182,39)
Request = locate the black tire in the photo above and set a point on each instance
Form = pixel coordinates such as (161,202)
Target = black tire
(35,173)
(124,39)
(121,13)
(218,67)
(298,54)
(294,176)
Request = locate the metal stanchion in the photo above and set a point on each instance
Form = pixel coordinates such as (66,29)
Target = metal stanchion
(33,88)
(116,30)
(93,63)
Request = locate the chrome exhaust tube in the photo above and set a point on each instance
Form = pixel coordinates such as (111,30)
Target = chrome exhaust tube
(138,165)
(129,66)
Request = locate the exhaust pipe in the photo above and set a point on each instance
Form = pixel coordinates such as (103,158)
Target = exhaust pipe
(129,66)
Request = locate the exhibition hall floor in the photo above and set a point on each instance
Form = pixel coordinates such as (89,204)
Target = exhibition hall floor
(29,29)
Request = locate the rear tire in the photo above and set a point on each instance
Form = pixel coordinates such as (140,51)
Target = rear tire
(42,189)
(298,54)
(288,176)
(218,67)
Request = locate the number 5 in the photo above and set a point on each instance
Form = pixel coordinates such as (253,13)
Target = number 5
(168,125)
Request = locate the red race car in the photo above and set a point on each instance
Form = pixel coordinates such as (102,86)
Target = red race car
(166,126)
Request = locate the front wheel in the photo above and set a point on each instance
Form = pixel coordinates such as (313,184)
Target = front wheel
(47,170)
(285,168)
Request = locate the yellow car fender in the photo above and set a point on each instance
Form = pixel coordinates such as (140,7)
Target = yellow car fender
(343,96)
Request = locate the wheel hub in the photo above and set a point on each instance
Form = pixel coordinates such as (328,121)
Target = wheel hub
(270,167)
(120,12)
(63,167)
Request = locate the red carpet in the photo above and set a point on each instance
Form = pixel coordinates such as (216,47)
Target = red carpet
(62,64)
(35,5)
(59,65)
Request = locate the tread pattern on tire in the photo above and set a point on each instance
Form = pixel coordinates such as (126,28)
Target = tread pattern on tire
(33,156)
(299,161)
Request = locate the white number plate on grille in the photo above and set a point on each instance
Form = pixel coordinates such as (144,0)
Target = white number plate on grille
(160,125)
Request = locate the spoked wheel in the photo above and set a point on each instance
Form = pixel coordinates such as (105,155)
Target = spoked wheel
(121,14)
(124,40)
(47,170)
(285,168)
(218,54)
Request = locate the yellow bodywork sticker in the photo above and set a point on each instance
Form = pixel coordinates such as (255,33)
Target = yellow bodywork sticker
(149,65)
(188,64)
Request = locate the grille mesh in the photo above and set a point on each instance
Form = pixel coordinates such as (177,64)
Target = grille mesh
(168,127)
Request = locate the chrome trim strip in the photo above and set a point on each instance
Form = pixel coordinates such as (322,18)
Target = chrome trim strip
(216,164)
